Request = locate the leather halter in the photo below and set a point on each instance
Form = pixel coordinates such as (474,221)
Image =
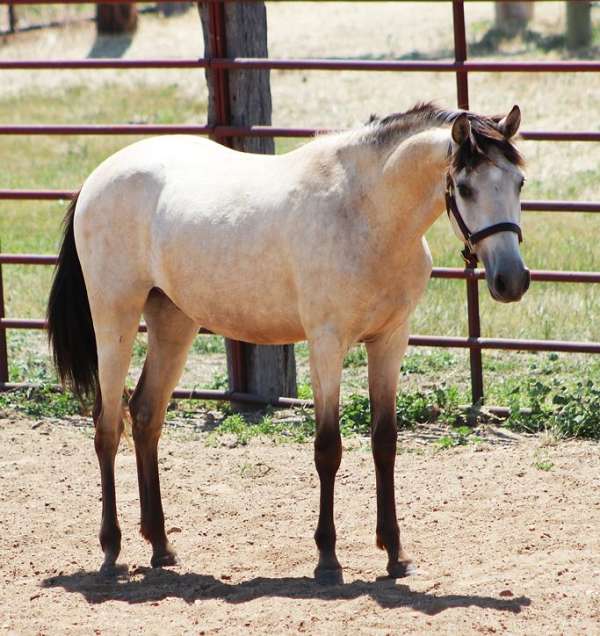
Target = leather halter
(472,238)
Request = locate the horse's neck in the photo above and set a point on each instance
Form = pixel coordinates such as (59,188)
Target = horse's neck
(409,194)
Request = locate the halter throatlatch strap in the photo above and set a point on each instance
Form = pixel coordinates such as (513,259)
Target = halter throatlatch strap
(472,238)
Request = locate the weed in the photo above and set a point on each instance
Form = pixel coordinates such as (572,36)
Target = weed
(140,348)
(243,430)
(459,436)
(356,357)
(427,362)
(305,391)
(42,402)
(543,464)
(209,344)
(563,408)
(219,381)
(355,415)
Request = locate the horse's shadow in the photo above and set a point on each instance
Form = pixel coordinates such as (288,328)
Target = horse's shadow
(156,585)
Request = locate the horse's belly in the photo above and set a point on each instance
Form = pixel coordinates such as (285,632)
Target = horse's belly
(259,327)
(241,309)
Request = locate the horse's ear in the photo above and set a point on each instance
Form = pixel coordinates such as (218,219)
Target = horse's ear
(510,124)
(461,129)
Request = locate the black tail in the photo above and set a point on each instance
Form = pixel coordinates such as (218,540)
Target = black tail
(70,326)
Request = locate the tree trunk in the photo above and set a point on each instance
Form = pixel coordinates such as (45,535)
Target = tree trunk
(579,25)
(12,18)
(112,19)
(270,371)
(512,17)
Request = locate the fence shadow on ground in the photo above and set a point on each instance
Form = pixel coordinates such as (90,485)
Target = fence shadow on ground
(157,585)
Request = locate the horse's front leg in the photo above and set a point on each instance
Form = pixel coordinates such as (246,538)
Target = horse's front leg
(326,358)
(385,357)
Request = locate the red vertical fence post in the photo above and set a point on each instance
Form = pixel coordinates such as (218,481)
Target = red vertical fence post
(218,48)
(3,346)
(462,91)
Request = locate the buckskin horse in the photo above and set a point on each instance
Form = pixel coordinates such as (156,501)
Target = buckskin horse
(324,243)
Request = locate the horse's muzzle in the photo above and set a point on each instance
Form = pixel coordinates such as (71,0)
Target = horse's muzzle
(509,284)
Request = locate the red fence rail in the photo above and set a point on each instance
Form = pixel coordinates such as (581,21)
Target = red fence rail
(219,65)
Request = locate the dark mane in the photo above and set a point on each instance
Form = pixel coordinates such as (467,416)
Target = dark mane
(485,133)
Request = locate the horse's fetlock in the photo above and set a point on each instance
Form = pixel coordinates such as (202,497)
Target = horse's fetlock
(325,539)
(110,539)
(388,539)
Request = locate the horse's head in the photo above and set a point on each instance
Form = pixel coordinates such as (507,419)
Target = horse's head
(483,198)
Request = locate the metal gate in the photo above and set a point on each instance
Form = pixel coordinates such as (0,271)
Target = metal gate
(220,66)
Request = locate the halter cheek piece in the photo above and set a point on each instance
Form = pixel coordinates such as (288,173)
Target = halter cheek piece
(472,238)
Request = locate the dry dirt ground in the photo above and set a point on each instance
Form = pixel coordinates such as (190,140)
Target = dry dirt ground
(502,546)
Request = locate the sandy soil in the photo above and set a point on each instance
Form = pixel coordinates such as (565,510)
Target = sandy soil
(502,546)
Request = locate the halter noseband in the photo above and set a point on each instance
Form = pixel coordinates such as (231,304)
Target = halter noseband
(472,238)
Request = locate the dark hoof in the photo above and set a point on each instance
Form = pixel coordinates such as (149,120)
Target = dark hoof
(163,560)
(113,570)
(329,576)
(401,569)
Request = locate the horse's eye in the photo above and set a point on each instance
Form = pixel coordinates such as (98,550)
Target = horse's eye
(521,184)
(465,191)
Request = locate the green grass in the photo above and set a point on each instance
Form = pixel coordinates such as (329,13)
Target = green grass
(552,241)
(63,163)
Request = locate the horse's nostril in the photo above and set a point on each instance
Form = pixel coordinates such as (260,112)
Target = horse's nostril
(499,283)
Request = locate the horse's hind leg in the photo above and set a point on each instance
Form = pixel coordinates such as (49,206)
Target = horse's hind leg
(326,357)
(170,335)
(385,357)
(115,329)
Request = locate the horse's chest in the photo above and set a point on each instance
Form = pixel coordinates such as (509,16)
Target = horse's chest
(396,290)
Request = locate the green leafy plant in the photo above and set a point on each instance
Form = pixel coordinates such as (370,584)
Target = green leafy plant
(566,409)
(305,391)
(42,402)
(208,344)
(458,436)
(243,430)
(356,357)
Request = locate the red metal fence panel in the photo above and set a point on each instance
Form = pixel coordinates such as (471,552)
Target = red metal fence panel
(219,65)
